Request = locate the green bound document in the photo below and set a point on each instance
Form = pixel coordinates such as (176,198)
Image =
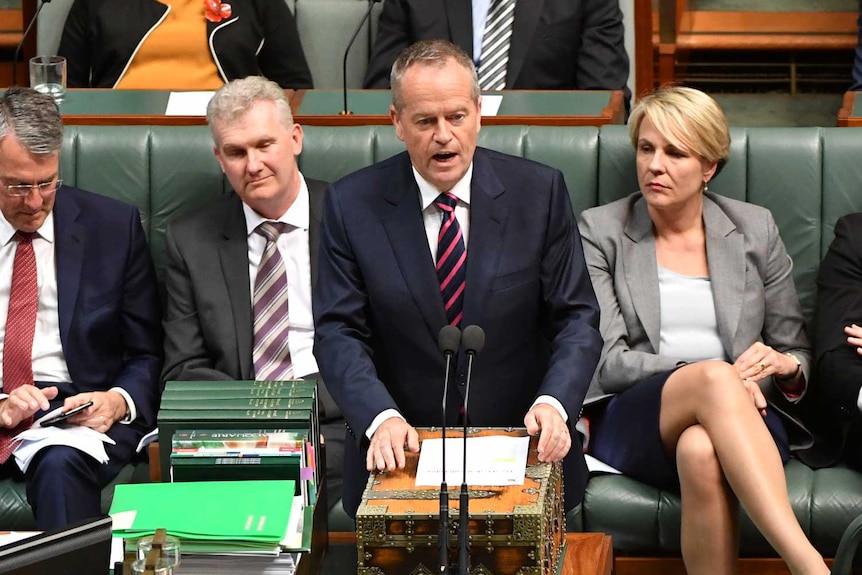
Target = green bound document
(181,403)
(195,392)
(246,386)
(246,512)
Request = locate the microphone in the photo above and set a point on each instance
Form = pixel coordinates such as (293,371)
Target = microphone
(371,3)
(448,340)
(473,340)
(21,43)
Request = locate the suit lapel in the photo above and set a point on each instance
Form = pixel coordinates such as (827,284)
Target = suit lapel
(69,240)
(459,15)
(725,253)
(402,220)
(487,215)
(641,272)
(316,191)
(233,255)
(527,15)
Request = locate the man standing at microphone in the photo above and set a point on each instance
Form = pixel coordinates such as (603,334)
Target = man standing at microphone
(448,233)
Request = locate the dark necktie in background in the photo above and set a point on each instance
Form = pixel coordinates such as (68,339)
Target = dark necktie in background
(20,330)
(496,39)
(271,353)
(451,259)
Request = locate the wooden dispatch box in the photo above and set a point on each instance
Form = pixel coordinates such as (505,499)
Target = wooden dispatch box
(514,530)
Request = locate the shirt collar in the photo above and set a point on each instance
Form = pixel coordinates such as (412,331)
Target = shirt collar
(297,215)
(428,193)
(46,232)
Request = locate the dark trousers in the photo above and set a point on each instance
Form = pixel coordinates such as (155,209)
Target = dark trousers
(64,485)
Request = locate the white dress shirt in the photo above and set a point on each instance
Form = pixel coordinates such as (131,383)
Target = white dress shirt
(293,245)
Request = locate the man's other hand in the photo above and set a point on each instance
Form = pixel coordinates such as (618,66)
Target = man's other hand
(108,408)
(386,451)
(23,402)
(555,440)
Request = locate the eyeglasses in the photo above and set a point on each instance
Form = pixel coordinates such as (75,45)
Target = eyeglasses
(23,190)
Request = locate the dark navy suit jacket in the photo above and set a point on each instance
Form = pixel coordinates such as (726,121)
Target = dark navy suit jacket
(110,319)
(378,308)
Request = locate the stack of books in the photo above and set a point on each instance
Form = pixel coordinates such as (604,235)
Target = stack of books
(243,406)
(242,526)
(238,454)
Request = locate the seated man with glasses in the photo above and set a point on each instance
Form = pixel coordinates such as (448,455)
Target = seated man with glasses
(82,319)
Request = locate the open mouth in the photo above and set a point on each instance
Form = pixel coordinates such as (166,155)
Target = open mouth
(444,156)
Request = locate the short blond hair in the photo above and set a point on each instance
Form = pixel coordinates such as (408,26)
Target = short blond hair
(237,97)
(688,118)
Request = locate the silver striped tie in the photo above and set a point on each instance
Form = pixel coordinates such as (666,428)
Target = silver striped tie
(271,353)
(495,45)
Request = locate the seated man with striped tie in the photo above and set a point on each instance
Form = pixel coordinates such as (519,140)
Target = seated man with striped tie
(515,44)
(451,233)
(240,271)
(82,318)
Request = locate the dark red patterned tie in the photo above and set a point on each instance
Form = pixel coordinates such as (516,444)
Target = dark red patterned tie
(451,259)
(20,328)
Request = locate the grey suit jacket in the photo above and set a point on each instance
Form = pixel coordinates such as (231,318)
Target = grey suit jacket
(752,282)
(208,317)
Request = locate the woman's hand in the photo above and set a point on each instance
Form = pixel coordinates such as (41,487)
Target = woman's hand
(760,361)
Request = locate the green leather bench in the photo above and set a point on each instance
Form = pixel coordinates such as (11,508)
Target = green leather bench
(808,177)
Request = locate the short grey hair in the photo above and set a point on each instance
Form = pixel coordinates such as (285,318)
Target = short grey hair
(435,53)
(238,96)
(33,119)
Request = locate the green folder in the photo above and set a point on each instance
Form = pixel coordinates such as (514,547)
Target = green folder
(248,511)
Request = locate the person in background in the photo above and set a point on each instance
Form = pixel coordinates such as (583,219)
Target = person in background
(181,44)
(857,60)
(515,44)
(81,315)
(216,323)
(448,233)
(701,323)
(838,338)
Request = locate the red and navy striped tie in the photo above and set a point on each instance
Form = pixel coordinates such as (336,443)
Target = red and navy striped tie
(451,260)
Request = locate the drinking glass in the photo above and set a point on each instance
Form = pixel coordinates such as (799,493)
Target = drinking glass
(170,549)
(48,75)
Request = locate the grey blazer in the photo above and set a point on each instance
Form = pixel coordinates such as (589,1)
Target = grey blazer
(750,271)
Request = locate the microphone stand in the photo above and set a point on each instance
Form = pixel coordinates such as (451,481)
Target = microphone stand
(473,339)
(21,43)
(449,340)
(346,111)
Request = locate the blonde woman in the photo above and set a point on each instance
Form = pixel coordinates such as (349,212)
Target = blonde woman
(699,315)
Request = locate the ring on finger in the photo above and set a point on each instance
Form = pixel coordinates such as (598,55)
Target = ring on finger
(762,365)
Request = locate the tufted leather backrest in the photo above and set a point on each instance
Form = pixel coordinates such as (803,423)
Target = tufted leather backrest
(808,177)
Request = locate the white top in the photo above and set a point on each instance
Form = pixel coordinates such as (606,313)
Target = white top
(689,327)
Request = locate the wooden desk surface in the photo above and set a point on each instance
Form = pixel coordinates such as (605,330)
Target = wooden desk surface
(370,107)
(588,554)
(850,114)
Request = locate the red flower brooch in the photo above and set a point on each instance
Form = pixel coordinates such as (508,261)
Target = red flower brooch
(216,11)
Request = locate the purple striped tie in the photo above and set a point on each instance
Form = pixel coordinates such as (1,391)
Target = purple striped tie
(271,353)
(451,259)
